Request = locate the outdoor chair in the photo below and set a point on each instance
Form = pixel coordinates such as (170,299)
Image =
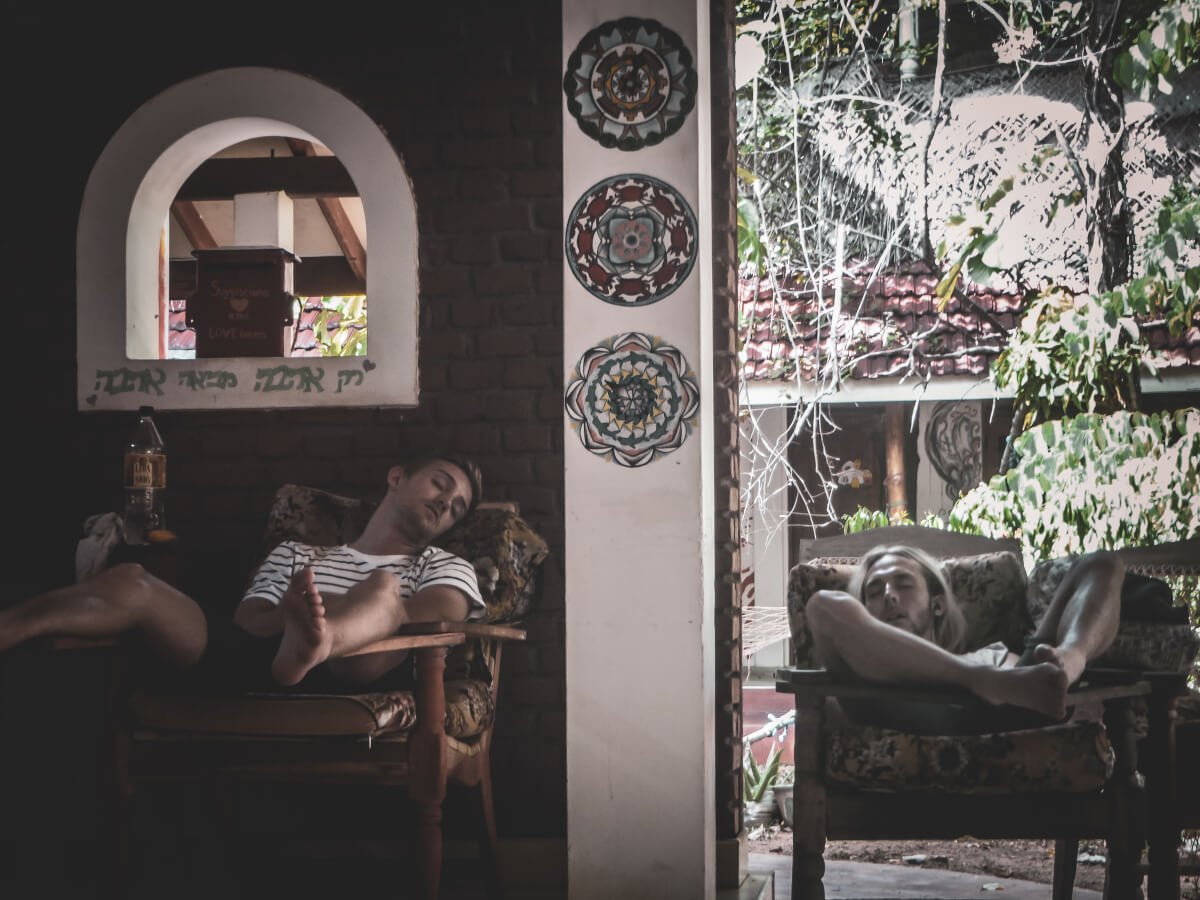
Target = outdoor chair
(917,763)
(437,731)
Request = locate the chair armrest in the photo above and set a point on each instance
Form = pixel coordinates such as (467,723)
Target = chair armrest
(946,711)
(470,629)
(410,642)
(415,635)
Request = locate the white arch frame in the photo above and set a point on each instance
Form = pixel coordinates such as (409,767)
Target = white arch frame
(127,200)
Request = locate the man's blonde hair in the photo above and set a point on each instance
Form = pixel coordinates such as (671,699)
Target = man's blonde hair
(950,627)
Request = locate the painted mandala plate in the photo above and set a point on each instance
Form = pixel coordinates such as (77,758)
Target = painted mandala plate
(630,83)
(632,399)
(631,240)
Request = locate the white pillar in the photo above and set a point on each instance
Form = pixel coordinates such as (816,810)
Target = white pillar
(639,554)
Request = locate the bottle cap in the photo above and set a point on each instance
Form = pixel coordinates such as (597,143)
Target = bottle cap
(145,410)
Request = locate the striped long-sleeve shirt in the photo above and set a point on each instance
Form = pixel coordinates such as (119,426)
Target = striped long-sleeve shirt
(337,569)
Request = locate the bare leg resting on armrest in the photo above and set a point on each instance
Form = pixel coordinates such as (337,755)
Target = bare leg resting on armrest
(123,599)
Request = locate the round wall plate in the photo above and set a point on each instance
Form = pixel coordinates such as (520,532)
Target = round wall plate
(630,83)
(632,398)
(631,240)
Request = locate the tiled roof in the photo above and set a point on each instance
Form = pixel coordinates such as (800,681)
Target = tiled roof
(181,337)
(892,325)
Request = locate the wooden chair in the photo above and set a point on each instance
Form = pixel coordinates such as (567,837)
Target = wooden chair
(421,739)
(940,764)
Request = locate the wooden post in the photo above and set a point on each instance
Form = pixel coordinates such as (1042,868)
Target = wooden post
(427,766)
(808,800)
(897,501)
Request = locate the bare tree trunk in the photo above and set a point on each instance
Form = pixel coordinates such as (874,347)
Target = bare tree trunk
(935,114)
(1107,214)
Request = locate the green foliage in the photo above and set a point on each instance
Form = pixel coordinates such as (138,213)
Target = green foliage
(750,246)
(1168,44)
(977,241)
(341,326)
(757,779)
(1071,352)
(863,519)
(1170,286)
(1093,482)
(1082,353)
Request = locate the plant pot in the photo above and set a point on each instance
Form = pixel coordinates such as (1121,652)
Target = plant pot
(762,812)
(783,800)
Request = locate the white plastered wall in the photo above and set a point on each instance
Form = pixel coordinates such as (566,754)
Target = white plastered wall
(639,554)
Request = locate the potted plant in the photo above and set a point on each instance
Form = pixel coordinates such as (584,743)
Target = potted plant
(782,790)
(758,787)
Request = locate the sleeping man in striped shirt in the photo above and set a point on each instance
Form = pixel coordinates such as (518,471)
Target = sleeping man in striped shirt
(306,608)
(329,601)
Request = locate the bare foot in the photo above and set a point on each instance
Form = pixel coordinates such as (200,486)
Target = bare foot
(307,639)
(1069,660)
(1041,687)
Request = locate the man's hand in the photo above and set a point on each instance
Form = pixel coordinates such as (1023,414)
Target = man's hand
(259,616)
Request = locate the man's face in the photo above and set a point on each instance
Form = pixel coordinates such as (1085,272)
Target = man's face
(895,592)
(433,498)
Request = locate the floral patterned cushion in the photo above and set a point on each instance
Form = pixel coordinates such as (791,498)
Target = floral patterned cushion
(990,589)
(1076,756)
(1160,646)
(506,553)
(500,544)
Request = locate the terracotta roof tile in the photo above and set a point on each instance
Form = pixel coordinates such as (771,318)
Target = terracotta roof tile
(898,324)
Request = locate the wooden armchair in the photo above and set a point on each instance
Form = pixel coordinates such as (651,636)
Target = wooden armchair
(941,764)
(437,731)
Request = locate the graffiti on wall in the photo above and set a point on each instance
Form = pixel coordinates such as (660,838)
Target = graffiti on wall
(151,380)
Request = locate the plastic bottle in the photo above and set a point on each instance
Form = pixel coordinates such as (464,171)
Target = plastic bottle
(145,480)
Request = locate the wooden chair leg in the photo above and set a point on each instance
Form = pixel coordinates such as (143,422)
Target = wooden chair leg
(1066,856)
(427,765)
(808,822)
(1127,829)
(487,840)
(1164,835)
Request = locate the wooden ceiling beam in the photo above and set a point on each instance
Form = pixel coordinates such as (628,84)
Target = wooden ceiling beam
(191,223)
(302,177)
(336,218)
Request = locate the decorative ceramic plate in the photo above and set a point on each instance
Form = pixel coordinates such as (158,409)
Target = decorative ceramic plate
(632,398)
(631,240)
(630,83)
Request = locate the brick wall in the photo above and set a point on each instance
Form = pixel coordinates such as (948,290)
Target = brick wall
(470,97)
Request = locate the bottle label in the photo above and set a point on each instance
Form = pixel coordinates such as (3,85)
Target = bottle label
(145,470)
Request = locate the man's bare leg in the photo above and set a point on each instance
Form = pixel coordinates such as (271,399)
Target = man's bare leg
(430,605)
(1082,619)
(123,599)
(307,638)
(320,629)
(848,638)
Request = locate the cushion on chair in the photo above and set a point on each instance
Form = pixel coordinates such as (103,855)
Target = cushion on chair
(1076,756)
(469,710)
(506,553)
